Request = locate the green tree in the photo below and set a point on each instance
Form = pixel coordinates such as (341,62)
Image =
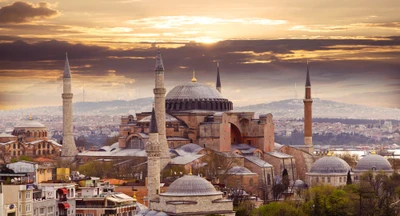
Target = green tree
(98,169)
(278,209)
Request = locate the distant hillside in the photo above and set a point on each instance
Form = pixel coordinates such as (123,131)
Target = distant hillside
(293,108)
(116,107)
(280,109)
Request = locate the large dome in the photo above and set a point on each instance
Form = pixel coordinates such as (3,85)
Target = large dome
(29,124)
(196,96)
(329,164)
(191,185)
(193,90)
(373,162)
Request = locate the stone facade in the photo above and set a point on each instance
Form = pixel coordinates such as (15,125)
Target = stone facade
(69,150)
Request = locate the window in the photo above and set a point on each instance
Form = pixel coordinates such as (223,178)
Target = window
(317,179)
(79,214)
(268,179)
(20,195)
(28,194)
(251,182)
(340,179)
(34,212)
(89,214)
(323,179)
(41,211)
(329,179)
(50,209)
(28,207)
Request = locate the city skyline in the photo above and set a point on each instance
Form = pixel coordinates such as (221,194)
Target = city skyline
(262,48)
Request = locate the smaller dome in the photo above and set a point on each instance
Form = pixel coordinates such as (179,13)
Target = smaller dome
(161,214)
(143,211)
(151,213)
(373,162)
(330,164)
(299,184)
(29,124)
(6,135)
(191,185)
(168,118)
(238,170)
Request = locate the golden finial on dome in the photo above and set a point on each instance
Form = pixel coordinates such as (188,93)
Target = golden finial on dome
(330,153)
(190,170)
(194,76)
(134,195)
(30,117)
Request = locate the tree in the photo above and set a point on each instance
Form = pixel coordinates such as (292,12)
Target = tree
(278,209)
(285,179)
(350,159)
(327,200)
(349,180)
(98,169)
(218,164)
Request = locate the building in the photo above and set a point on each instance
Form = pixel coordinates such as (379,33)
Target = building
(197,113)
(191,195)
(328,170)
(17,200)
(36,173)
(98,198)
(374,163)
(64,194)
(29,138)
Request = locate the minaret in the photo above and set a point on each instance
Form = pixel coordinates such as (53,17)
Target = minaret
(308,114)
(153,160)
(68,145)
(218,85)
(159,98)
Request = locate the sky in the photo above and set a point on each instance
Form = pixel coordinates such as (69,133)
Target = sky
(353,49)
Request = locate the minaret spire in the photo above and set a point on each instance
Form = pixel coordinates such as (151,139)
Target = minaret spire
(194,76)
(159,62)
(218,85)
(67,70)
(153,123)
(159,108)
(308,83)
(68,150)
(308,114)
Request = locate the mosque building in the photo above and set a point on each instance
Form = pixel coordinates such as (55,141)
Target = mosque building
(28,138)
(197,120)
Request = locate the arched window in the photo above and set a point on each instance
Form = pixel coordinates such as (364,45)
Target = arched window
(251,182)
(14,146)
(44,145)
(43,152)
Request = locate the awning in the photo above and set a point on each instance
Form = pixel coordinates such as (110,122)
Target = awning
(62,191)
(63,205)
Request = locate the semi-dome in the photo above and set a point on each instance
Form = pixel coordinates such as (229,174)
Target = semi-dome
(151,213)
(330,164)
(196,96)
(239,170)
(373,162)
(191,185)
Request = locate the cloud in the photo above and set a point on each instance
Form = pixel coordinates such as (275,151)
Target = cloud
(164,22)
(20,12)
(337,67)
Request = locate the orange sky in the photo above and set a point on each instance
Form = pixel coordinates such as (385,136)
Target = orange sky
(353,48)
